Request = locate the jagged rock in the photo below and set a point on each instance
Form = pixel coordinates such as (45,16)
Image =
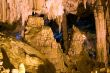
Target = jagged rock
(16,52)
(35,21)
(81,41)
(79,52)
(77,41)
(43,40)
(33,61)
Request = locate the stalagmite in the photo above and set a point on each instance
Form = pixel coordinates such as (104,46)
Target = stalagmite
(21,68)
(14,70)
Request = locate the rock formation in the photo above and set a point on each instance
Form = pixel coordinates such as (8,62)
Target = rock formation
(42,39)
(39,50)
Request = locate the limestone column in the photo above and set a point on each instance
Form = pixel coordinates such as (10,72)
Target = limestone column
(100,33)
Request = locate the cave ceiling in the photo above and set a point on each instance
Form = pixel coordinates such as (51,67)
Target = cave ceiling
(12,10)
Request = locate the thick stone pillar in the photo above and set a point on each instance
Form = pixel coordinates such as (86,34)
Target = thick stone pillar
(100,33)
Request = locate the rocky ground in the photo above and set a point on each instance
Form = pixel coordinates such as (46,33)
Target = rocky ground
(41,53)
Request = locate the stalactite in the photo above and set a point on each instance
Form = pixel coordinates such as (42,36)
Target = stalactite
(55,10)
(19,9)
(8,12)
(84,2)
(35,4)
(4,4)
(1,10)
(25,11)
(30,3)
(40,4)
(12,10)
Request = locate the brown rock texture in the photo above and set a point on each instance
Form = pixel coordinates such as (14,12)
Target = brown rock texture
(16,52)
(77,41)
(12,10)
(42,39)
(78,58)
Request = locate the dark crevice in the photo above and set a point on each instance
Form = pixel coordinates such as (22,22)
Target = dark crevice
(6,62)
(55,29)
(85,20)
(86,23)
(71,20)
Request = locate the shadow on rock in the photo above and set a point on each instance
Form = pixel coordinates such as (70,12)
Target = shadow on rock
(46,68)
(6,61)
